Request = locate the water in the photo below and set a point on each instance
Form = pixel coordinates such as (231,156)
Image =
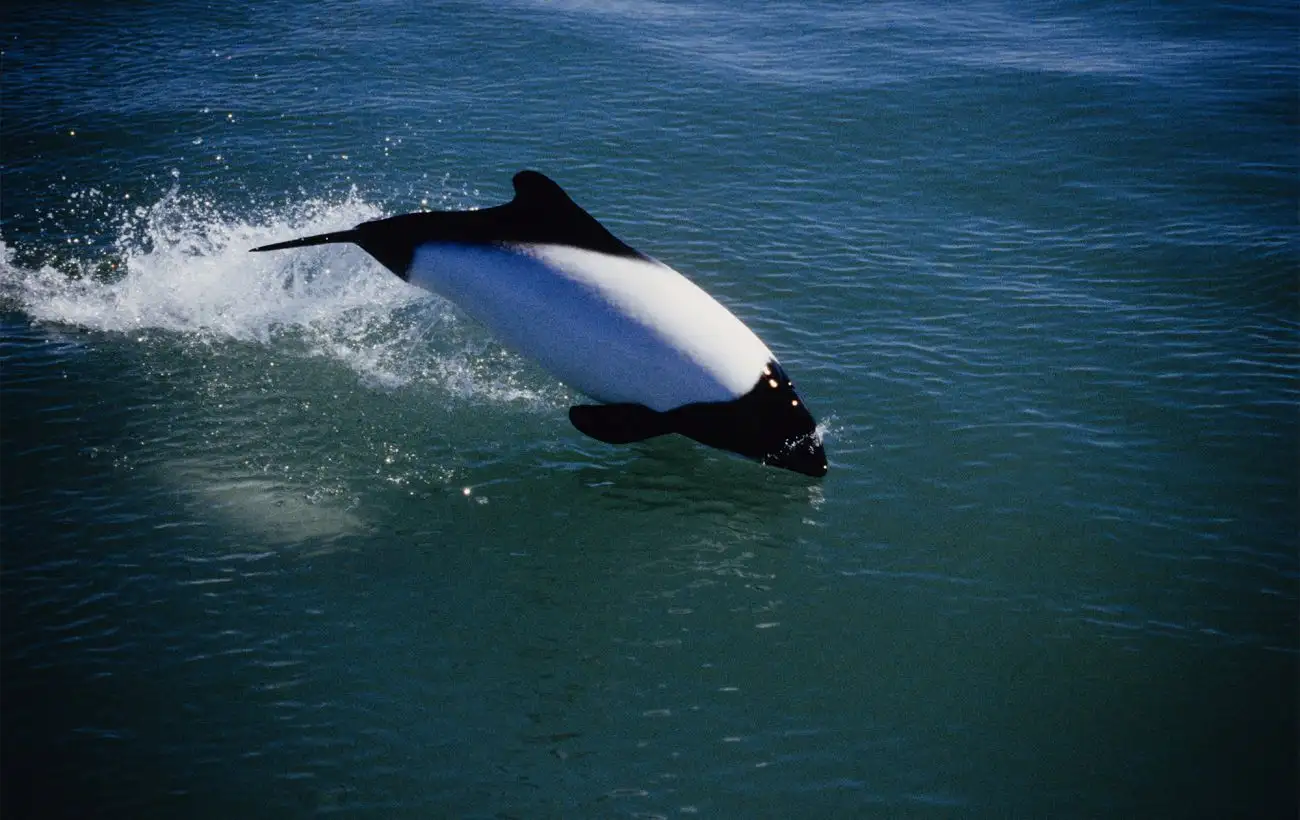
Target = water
(283,537)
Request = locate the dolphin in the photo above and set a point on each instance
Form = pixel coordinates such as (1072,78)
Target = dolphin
(656,352)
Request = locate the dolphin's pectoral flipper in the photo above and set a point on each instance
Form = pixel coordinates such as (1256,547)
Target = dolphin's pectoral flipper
(619,423)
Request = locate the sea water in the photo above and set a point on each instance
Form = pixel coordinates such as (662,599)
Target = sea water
(282,536)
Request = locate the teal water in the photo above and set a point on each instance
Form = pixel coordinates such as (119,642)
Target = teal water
(280,536)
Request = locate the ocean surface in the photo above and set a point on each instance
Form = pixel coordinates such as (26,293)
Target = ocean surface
(281,536)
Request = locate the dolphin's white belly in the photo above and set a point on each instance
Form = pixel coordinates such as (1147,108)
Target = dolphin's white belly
(616,328)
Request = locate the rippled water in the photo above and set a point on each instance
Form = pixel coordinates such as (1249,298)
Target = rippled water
(282,536)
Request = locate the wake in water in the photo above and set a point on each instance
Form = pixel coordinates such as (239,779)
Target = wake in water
(181,266)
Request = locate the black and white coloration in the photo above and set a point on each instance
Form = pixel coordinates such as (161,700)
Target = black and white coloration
(660,354)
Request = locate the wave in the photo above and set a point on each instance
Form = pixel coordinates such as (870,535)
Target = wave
(859,45)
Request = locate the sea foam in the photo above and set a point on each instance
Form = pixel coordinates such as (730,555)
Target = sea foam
(180,268)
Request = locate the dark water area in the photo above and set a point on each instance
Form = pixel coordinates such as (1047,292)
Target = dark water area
(282,536)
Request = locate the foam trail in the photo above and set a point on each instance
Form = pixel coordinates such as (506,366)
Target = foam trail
(182,266)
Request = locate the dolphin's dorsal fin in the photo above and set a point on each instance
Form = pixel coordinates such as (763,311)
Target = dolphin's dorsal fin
(541,213)
(535,189)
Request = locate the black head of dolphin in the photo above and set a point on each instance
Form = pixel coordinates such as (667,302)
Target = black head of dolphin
(769,423)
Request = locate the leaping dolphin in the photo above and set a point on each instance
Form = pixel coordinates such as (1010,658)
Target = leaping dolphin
(659,354)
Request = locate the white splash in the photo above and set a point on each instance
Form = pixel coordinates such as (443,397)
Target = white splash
(182,266)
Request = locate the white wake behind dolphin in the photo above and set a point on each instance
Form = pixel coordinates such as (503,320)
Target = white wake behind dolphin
(660,354)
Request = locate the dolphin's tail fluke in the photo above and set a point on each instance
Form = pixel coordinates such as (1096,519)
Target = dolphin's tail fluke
(319,239)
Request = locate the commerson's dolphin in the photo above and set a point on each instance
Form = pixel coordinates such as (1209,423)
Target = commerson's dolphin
(658,353)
